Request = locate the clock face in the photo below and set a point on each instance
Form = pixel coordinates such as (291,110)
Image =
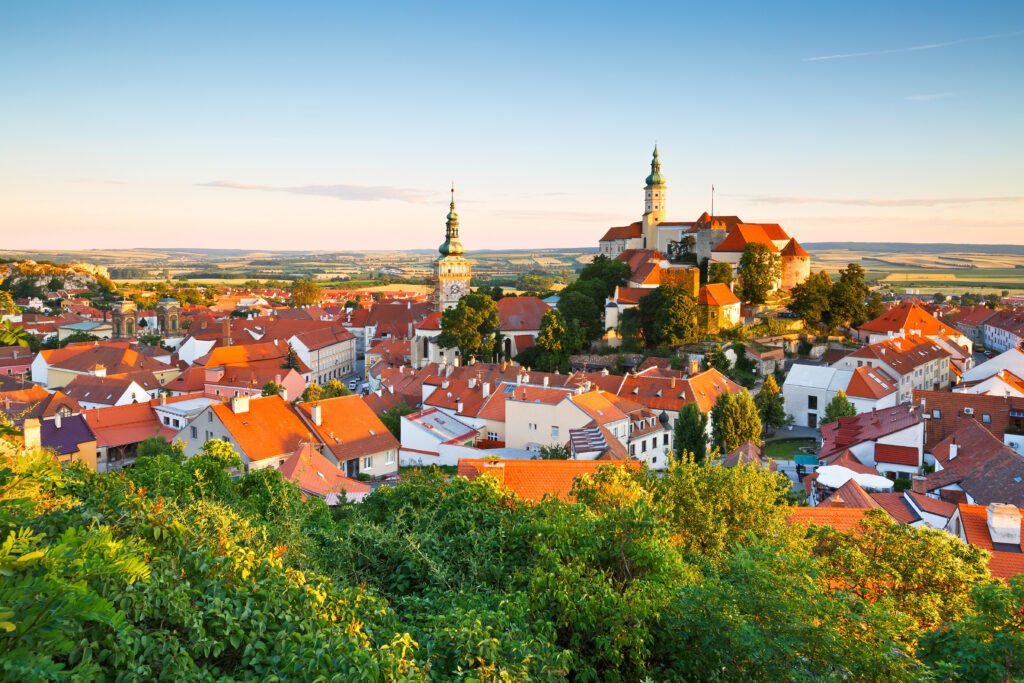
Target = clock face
(455,289)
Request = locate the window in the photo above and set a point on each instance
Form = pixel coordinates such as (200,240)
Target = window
(209,416)
(986,419)
(812,402)
(492,436)
(665,440)
(554,431)
(643,445)
(195,433)
(936,413)
(390,459)
(368,462)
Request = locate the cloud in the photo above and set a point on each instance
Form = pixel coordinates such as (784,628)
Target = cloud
(915,48)
(926,201)
(929,96)
(348,193)
(541,214)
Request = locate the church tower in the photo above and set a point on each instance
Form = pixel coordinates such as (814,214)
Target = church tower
(452,270)
(654,203)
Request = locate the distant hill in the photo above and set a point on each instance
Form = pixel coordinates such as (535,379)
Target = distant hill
(916,248)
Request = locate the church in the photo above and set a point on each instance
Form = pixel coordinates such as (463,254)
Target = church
(452,271)
(709,238)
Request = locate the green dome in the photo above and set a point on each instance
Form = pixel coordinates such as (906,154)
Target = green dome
(655,179)
(452,246)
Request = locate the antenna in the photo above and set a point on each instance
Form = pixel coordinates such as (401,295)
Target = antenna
(712,203)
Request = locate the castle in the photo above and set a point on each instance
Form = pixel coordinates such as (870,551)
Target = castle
(715,239)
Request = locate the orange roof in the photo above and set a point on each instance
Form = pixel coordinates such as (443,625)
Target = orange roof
(909,316)
(850,495)
(840,519)
(521,313)
(1004,563)
(315,474)
(793,248)
(600,406)
(895,504)
(534,479)
(623,233)
(348,427)
(268,429)
(631,295)
(716,294)
(130,423)
(870,382)
(742,234)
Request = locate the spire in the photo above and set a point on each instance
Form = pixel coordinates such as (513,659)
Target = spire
(655,179)
(452,246)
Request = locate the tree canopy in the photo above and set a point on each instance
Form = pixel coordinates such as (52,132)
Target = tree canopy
(470,326)
(305,293)
(734,421)
(839,406)
(690,432)
(760,268)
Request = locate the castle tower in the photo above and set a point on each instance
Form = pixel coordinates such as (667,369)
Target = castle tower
(796,265)
(168,316)
(124,317)
(654,203)
(452,271)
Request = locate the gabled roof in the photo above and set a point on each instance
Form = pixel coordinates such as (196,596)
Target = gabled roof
(742,234)
(947,411)
(848,460)
(348,427)
(747,453)
(897,455)
(850,495)
(849,431)
(600,406)
(592,437)
(872,383)
(903,354)
(532,480)
(1004,562)
(633,230)
(520,313)
(95,389)
(316,475)
(631,295)
(116,357)
(68,438)
(972,315)
(267,429)
(908,316)
(716,294)
(984,467)
(841,519)
(896,505)
(130,423)
(34,402)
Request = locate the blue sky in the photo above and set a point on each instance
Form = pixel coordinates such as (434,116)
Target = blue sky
(328,126)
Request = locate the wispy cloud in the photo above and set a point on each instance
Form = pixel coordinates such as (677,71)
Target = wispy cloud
(915,48)
(348,193)
(869,201)
(930,96)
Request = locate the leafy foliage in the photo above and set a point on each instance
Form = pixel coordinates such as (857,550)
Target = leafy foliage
(838,407)
(771,406)
(470,326)
(734,421)
(305,293)
(759,269)
(690,432)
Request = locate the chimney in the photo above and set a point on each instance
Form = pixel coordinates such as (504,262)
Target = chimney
(99,371)
(673,382)
(458,406)
(277,379)
(283,394)
(472,382)
(917,484)
(545,381)
(239,404)
(953,449)
(444,384)
(485,389)
(314,413)
(837,501)
(496,468)
(163,399)
(56,421)
(31,433)
(225,332)
(604,372)
(1004,523)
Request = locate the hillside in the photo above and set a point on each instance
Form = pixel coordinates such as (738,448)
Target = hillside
(179,572)
(30,278)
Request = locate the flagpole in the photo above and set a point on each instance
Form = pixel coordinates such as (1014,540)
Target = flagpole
(712,203)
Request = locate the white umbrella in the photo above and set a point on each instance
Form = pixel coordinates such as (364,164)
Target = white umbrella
(834,476)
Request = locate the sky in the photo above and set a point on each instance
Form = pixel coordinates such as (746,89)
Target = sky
(340,126)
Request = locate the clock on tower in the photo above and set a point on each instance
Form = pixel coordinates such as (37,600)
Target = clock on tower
(451,271)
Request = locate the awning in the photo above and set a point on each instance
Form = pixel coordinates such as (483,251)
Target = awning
(834,476)
(802,459)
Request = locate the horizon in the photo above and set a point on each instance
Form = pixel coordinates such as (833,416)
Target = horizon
(336,127)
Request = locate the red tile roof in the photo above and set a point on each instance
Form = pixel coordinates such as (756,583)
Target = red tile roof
(348,427)
(742,234)
(793,248)
(948,410)
(316,475)
(268,429)
(534,479)
(871,383)
(130,423)
(984,467)
(716,294)
(850,495)
(908,316)
(521,313)
(1004,563)
(849,431)
(897,455)
(623,233)
(840,519)
(895,504)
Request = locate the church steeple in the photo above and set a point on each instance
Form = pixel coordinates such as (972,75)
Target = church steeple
(654,191)
(452,246)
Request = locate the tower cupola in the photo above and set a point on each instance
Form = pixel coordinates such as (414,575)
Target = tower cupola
(654,193)
(452,246)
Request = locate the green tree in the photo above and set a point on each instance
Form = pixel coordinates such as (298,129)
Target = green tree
(734,421)
(720,272)
(392,418)
(847,300)
(556,451)
(676,320)
(811,299)
(272,389)
(305,293)
(716,358)
(77,338)
(313,392)
(639,325)
(13,336)
(291,360)
(838,407)
(7,304)
(771,406)
(874,307)
(690,433)
(335,388)
(558,339)
(939,298)
(760,268)
(583,300)
(470,326)
(531,282)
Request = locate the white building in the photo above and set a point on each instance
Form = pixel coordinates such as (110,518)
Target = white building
(809,389)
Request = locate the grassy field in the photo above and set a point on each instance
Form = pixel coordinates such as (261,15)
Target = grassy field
(785,449)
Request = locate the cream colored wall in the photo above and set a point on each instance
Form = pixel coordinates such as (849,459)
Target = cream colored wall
(520,415)
(56,378)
